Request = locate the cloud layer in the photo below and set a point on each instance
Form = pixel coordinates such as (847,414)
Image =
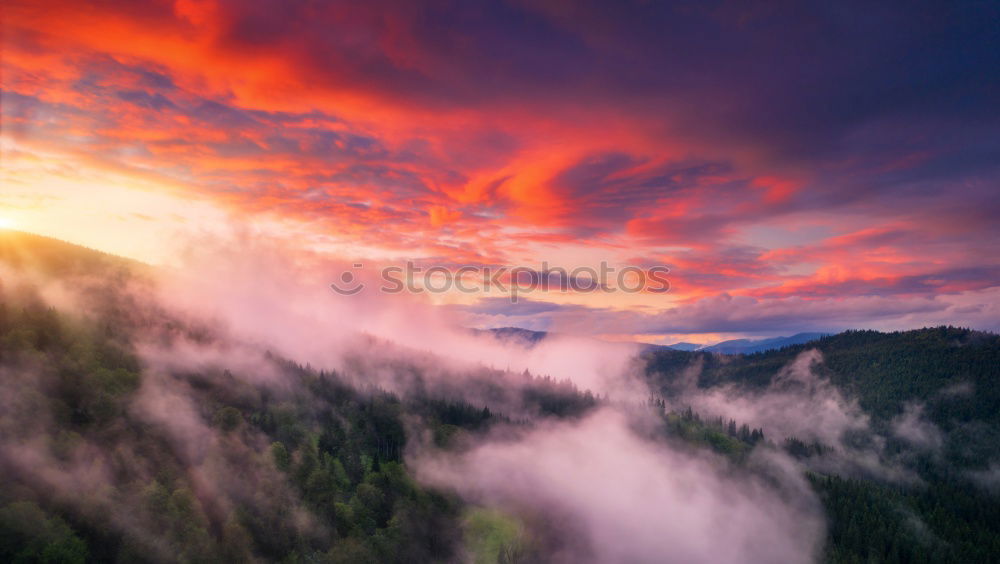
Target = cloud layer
(619,498)
(790,151)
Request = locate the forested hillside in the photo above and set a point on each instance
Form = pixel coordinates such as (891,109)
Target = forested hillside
(949,376)
(111,455)
(884,370)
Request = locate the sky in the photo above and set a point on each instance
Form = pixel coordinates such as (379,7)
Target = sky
(798,166)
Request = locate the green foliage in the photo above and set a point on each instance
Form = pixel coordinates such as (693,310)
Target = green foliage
(339,451)
(883,523)
(27,534)
(728,439)
(282,459)
(492,537)
(227,418)
(324,460)
(954,369)
(951,372)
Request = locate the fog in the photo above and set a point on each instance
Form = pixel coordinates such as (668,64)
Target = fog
(632,500)
(280,300)
(799,402)
(600,488)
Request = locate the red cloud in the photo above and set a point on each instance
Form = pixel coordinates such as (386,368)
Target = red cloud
(385,127)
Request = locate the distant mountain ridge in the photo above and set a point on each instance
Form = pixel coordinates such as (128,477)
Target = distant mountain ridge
(749,346)
(530,338)
(515,334)
(683,346)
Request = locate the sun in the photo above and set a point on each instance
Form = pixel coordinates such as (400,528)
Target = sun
(6,223)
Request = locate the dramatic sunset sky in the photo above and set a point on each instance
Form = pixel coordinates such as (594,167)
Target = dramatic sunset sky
(799,166)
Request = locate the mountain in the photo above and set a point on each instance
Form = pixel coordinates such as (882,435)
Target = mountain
(129,434)
(901,432)
(530,338)
(517,335)
(685,346)
(59,259)
(749,346)
(736,346)
(884,371)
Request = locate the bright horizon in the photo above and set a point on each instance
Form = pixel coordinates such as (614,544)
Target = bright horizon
(784,195)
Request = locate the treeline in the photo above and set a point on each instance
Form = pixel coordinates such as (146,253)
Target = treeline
(947,515)
(321,463)
(883,370)
(313,469)
(936,522)
(723,435)
(317,464)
